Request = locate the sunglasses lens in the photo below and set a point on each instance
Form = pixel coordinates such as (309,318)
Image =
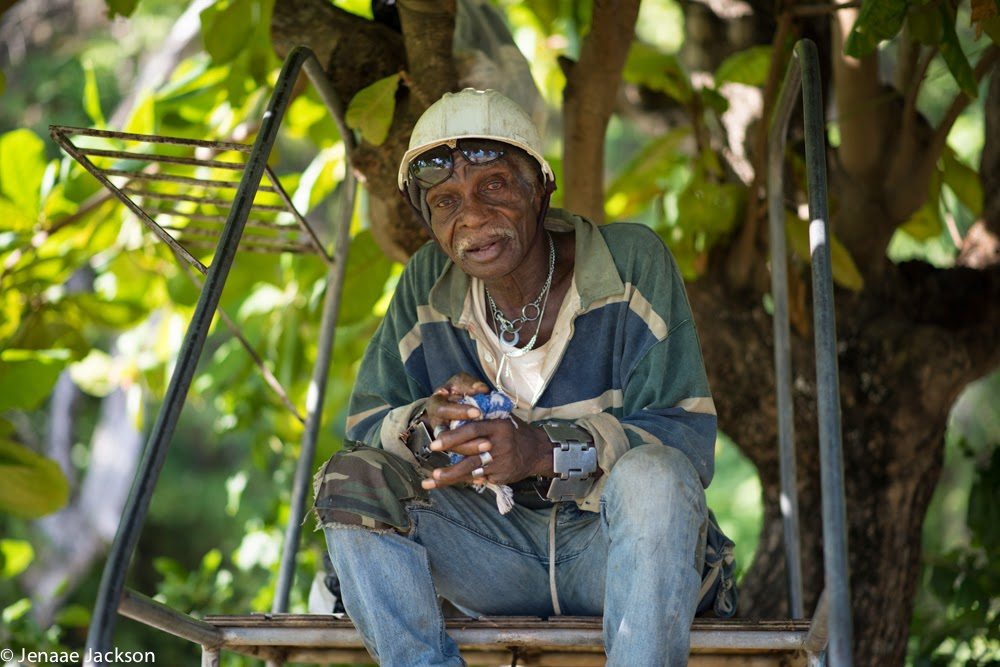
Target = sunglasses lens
(481,152)
(432,167)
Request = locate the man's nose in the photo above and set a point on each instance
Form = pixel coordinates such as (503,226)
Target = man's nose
(475,211)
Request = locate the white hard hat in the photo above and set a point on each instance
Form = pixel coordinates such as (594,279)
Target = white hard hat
(471,113)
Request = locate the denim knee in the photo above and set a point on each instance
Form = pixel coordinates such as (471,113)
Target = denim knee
(653,480)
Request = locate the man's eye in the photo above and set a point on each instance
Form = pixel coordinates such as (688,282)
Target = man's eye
(443,202)
(494,185)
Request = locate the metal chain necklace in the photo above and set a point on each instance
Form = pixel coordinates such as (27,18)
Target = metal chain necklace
(509,331)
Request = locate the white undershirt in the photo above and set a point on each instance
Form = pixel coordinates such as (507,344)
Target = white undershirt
(523,377)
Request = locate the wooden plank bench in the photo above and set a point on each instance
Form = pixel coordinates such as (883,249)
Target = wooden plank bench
(562,641)
(555,642)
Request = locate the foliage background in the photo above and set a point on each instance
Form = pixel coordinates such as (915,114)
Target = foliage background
(213,536)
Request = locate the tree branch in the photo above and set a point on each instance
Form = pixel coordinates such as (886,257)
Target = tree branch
(856,84)
(588,101)
(428,31)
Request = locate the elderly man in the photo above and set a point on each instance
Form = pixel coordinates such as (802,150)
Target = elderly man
(585,332)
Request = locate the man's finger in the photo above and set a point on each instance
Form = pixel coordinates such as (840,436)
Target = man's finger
(458,473)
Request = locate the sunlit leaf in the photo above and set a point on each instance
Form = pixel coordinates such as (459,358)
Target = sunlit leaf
(22,167)
(92,96)
(225,32)
(964,182)
(710,207)
(845,271)
(372,109)
(749,67)
(876,21)
(925,223)
(33,485)
(954,57)
(94,374)
(17,556)
(648,66)
(644,176)
(367,271)
(28,376)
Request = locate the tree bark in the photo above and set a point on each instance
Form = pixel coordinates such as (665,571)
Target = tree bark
(588,100)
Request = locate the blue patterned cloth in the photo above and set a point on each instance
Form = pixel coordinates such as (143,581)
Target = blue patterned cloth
(494,405)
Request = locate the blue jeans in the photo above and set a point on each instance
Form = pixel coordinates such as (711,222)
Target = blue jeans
(638,563)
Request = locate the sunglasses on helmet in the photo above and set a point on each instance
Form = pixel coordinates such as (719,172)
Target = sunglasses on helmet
(435,166)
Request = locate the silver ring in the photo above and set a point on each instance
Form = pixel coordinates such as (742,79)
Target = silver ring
(485,459)
(478,473)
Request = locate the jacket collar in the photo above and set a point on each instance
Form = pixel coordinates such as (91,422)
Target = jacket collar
(595,272)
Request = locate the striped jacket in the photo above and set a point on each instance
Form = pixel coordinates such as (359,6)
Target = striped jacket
(628,369)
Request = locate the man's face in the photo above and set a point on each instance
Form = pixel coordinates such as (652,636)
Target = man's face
(484,216)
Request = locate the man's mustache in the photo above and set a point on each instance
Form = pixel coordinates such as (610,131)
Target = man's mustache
(483,239)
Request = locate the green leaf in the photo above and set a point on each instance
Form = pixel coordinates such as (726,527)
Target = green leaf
(710,208)
(92,96)
(925,223)
(650,67)
(22,167)
(33,485)
(924,23)
(644,177)
(714,100)
(845,271)
(963,181)
(878,20)
(121,7)
(372,109)
(3,82)
(226,32)
(992,29)
(17,556)
(749,67)
(954,57)
(364,282)
(28,376)
(73,616)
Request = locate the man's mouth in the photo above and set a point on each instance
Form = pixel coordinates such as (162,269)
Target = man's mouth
(482,251)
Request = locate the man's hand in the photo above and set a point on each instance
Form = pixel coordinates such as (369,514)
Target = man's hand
(443,406)
(518,451)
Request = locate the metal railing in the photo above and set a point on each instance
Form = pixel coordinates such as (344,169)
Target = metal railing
(803,74)
(110,594)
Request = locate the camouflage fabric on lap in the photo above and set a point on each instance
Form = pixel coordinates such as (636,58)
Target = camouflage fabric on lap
(367,487)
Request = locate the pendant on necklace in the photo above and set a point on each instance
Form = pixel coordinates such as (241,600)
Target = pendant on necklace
(509,337)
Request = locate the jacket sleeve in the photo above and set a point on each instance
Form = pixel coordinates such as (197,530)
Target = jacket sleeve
(665,395)
(386,393)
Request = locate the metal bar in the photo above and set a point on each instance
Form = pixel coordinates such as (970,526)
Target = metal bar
(260,224)
(180,250)
(172,159)
(835,556)
(317,389)
(209,657)
(154,455)
(69,131)
(302,222)
(183,180)
(723,640)
(789,500)
(213,201)
(819,630)
(158,615)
